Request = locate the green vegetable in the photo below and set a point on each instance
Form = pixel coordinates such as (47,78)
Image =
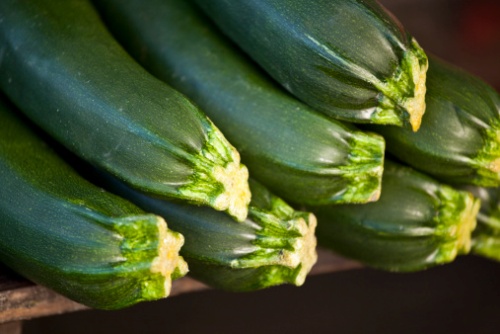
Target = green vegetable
(274,245)
(486,236)
(65,71)
(459,140)
(59,230)
(301,155)
(416,224)
(350,59)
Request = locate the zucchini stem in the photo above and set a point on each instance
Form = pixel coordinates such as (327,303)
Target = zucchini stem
(403,99)
(285,241)
(364,168)
(168,262)
(486,236)
(456,221)
(416,105)
(219,178)
(487,160)
(148,243)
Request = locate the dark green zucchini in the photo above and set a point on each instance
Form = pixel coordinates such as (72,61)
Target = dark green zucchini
(486,236)
(64,70)
(274,245)
(417,223)
(459,140)
(60,231)
(301,155)
(350,59)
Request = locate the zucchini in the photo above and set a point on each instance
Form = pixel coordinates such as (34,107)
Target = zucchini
(349,59)
(274,245)
(459,140)
(486,236)
(417,223)
(61,231)
(65,71)
(301,155)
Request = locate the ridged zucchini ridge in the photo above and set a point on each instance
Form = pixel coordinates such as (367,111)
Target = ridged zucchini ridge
(60,231)
(301,155)
(459,140)
(350,59)
(64,70)
(417,223)
(274,245)
(486,236)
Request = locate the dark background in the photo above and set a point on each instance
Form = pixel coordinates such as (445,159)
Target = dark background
(463,297)
(464,32)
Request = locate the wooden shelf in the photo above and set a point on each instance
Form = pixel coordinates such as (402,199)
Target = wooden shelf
(21,300)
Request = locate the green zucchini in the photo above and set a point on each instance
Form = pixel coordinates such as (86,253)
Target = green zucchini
(301,155)
(66,72)
(274,245)
(417,223)
(459,140)
(486,236)
(349,59)
(63,232)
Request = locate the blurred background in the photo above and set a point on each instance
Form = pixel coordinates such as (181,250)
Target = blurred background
(463,297)
(464,32)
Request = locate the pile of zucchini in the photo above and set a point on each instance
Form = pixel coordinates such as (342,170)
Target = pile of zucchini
(231,121)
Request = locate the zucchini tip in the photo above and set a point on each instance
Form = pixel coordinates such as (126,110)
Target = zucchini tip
(458,221)
(416,104)
(307,250)
(236,196)
(168,263)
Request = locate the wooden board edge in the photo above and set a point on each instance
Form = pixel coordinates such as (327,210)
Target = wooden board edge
(33,301)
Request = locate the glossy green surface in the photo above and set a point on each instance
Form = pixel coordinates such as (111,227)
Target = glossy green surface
(486,236)
(61,231)
(350,59)
(274,245)
(301,155)
(459,139)
(417,223)
(64,70)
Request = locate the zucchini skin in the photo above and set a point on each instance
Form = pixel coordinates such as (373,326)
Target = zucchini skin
(486,236)
(63,232)
(349,59)
(459,140)
(65,71)
(417,223)
(301,155)
(274,245)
